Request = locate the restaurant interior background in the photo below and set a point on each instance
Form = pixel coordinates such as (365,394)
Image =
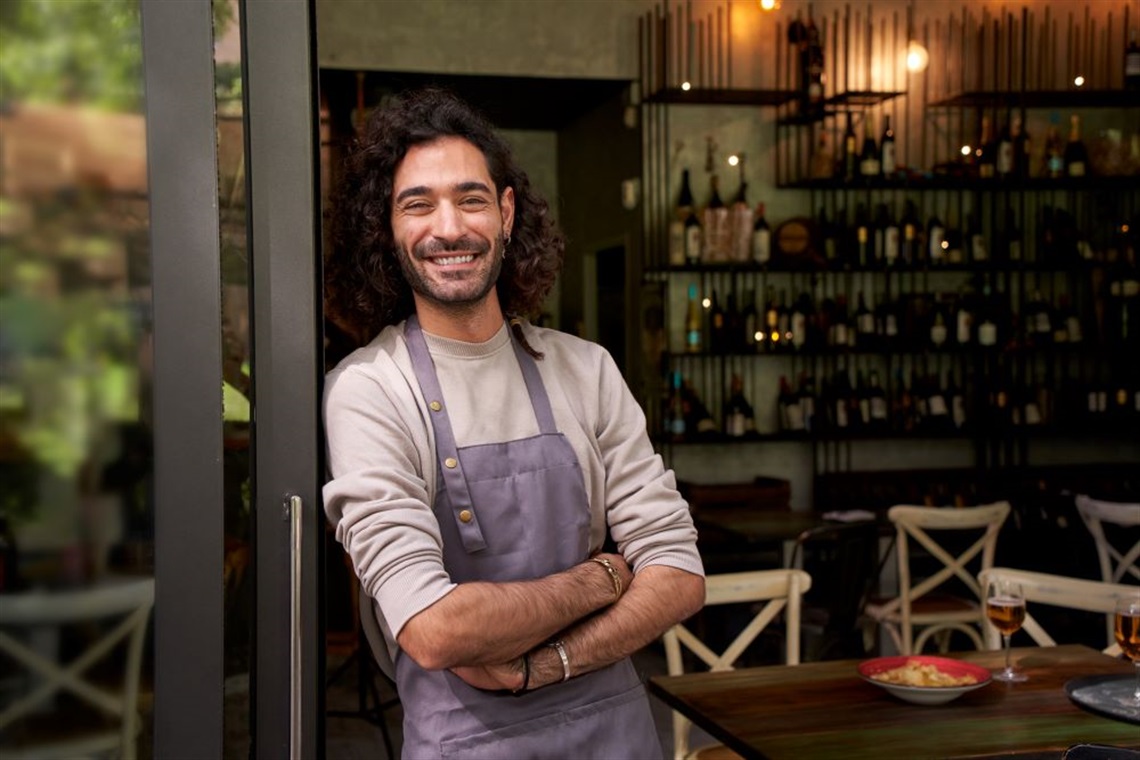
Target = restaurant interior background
(590,95)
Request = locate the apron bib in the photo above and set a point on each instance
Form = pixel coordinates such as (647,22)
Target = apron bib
(515,511)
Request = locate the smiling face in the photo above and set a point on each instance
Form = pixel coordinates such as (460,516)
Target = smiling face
(449,225)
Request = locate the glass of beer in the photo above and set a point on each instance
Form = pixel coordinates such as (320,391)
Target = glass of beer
(1005,609)
(1127,628)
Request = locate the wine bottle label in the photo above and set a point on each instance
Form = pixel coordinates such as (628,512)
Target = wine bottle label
(1101,399)
(978,247)
(937,252)
(869,167)
(938,334)
(1032,414)
(891,325)
(867,323)
(891,244)
(1042,324)
(1005,157)
(851,337)
(841,413)
(987,334)
(1092,402)
(693,340)
(734,425)
(794,416)
(761,246)
(677,426)
(965,322)
(888,162)
(1055,164)
(799,329)
(677,243)
(1132,65)
(839,334)
(865,410)
(693,243)
(958,410)
(1077,169)
(1073,327)
(938,406)
(878,408)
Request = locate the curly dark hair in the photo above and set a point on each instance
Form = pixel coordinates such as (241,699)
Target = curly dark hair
(365,289)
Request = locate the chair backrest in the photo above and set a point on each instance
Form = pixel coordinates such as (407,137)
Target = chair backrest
(918,523)
(124,607)
(1058,591)
(778,590)
(1114,564)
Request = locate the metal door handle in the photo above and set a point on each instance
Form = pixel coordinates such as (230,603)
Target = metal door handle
(295,508)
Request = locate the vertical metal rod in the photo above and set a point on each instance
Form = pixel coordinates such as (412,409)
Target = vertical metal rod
(700,53)
(728,47)
(689,47)
(719,46)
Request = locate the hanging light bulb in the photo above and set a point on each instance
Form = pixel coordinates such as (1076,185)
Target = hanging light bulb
(916,57)
(769,5)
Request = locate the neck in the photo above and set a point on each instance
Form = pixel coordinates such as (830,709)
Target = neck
(473,323)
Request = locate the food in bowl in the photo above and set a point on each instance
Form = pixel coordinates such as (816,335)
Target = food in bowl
(915,673)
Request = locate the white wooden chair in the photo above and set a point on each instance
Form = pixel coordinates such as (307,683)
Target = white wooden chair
(780,591)
(123,608)
(1115,565)
(922,605)
(1058,591)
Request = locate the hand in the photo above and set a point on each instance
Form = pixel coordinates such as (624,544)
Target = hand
(508,675)
(621,566)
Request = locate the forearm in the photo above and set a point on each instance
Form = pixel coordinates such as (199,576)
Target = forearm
(482,623)
(657,598)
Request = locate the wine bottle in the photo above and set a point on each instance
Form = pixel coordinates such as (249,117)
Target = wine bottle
(694,238)
(1021,147)
(733,331)
(1010,238)
(850,165)
(677,229)
(840,399)
(911,245)
(813,68)
(987,319)
(886,237)
(1038,321)
(801,319)
(784,322)
(903,412)
(986,151)
(739,420)
(772,322)
(869,166)
(938,417)
(1076,155)
(750,321)
(964,317)
(698,422)
(827,233)
(862,401)
(1054,153)
(791,413)
(888,318)
(938,329)
(879,414)
(717,331)
(863,253)
(761,238)
(715,225)
(865,323)
(1004,161)
(888,163)
(1132,62)
(837,335)
(979,250)
(741,225)
(694,323)
(936,241)
(957,402)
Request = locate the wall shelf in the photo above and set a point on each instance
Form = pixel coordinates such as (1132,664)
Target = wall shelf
(1041,99)
(722,97)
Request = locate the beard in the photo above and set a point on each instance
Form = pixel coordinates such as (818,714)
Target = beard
(459,290)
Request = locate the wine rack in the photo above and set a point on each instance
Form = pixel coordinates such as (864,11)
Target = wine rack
(1045,262)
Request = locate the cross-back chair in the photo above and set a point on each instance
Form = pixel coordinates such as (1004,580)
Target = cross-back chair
(924,603)
(775,591)
(123,608)
(1115,565)
(1057,591)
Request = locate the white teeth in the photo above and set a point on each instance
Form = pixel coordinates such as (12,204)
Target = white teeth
(445,261)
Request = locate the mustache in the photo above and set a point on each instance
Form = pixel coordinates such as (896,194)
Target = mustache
(463,244)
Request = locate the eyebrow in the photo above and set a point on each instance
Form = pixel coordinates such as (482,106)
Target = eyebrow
(462,187)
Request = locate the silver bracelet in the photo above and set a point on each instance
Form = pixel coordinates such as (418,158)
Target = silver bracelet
(558,647)
(609,566)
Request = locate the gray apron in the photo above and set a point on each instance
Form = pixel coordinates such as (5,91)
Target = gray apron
(510,512)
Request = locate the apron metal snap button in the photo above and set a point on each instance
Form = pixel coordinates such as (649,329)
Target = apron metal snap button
(435,406)
(450,463)
(465,516)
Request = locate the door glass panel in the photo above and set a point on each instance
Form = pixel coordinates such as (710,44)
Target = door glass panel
(76,502)
(236,378)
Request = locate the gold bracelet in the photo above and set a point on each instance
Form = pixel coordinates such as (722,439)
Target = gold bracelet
(609,566)
(558,647)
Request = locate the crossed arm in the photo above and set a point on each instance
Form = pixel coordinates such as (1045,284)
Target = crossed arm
(481,631)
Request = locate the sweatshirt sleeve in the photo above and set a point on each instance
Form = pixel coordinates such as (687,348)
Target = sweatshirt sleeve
(377,498)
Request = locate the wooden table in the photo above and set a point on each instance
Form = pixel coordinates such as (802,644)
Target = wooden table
(825,710)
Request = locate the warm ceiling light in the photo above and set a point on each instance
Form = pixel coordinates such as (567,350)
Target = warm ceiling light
(1079,81)
(733,160)
(769,5)
(916,57)
(686,86)
(966,150)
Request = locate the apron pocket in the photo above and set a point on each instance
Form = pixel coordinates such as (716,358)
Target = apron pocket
(620,726)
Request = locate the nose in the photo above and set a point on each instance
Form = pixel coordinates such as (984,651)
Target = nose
(448,223)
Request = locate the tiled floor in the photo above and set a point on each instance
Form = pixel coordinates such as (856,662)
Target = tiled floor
(351,738)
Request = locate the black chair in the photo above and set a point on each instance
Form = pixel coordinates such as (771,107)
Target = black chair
(843,561)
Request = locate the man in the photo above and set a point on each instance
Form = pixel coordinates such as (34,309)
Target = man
(478,462)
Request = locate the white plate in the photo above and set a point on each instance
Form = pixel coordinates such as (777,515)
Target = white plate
(925,695)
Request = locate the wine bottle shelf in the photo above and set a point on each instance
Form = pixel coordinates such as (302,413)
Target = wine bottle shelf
(816,266)
(1077,98)
(1088,349)
(931,182)
(837,105)
(722,97)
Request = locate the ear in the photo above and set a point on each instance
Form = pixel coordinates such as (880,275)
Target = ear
(507,209)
